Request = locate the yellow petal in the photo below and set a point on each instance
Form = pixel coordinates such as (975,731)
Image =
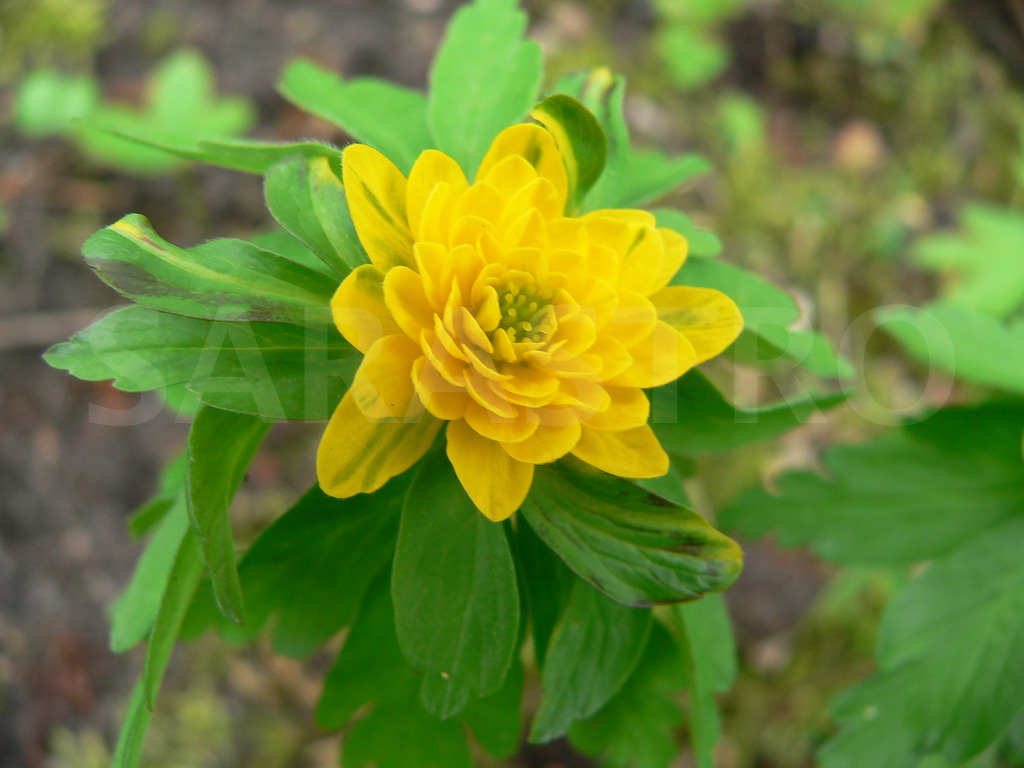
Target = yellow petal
(495,481)
(629,409)
(357,455)
(359,309)
(709,319)
(676,249)
(442,398)
(407,300)
(504,429)
(632,320)
(549,443)
(376,193)
(539,149)
(383,386)
(662,357)
(639,248)
(431,168)
(632,453)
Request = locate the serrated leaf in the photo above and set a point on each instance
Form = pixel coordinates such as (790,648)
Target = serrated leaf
(386,116)
(637,548)
(966,343)
(485,78)
(631,177)
(273,370)
(691,416)
(313,565)
(594,650)
(985,256)
(306,197)
(220,447)
(225,279)
(180,102)
(580,139)
(706,637)
(899,499)
(636,728)
(951,651)
(770,318)
(454,586)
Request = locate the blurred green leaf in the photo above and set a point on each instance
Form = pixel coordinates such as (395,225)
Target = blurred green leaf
(219,280)
(985,258)
(47,101)
(770,318)
(306,197)
(631,177)
(273,370)
(692,55)
(963,342)
(636,728)
(701,241)
(691,416)
(180,102)
(637,548)
(594,650)
(912,495)
(454,585)
(485,78)
(580,139)
(220,447)
(951,651)
(386,116)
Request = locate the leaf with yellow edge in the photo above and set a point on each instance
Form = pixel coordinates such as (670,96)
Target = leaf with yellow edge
(580,139)
(637,548)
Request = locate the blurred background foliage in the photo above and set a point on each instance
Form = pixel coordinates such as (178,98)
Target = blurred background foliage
(866,154)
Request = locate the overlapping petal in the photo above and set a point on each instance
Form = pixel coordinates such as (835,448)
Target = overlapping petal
(532,334)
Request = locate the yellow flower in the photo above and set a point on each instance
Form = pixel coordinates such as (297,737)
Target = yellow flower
(526,333)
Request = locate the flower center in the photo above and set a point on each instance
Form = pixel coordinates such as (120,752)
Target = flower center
(527,313)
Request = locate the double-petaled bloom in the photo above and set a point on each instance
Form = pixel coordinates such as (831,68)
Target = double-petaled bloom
(525,333)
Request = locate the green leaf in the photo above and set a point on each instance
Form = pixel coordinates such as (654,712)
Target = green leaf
(899,499)
(220,280)
(985,257)
(593,651)
(701,241)
(294,568)
(454,586)
(47,101)
(546,583)
(149,515)
(951,652)
(631,178)
(128,751)
(580,139)
(963,342)
(636,728)
(386,116)
(398,732)
(180,102)
(220,447)
(272,370)
(246,155)
(495,719)
(706,637)
(133,613)
(637,548)
(692,55)
(485,78)
(770,318)
(306,197)
(285,244)
(691,416)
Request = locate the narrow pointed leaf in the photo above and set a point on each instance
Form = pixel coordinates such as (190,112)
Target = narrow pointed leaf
(220,447)
(219,280)
(454,586)
(386,116)
(637,548)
